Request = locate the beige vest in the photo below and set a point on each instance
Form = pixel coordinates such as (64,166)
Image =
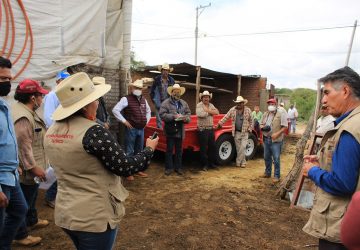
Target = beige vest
(89,196)
(19,110)
(328,210)
(275,124)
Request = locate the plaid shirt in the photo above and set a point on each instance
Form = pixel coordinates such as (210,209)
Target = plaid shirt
(205,120)
(247,123)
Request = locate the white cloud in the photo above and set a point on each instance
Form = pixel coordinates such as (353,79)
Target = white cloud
(286,59)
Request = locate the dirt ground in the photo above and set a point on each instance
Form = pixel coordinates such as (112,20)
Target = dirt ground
(230,208)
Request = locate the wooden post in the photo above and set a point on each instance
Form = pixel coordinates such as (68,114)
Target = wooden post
(239,85)
(198,73)
(317,105)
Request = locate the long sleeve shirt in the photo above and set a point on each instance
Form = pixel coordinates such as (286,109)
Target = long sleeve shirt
(205,120)
(123,103)
(8,148)
(344,174)
(114,158)
(51,102)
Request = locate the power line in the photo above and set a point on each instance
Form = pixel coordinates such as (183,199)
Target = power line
(249,34)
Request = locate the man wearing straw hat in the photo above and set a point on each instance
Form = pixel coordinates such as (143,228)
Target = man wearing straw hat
(158,92)
(205,122)
(175,113)
(134,112)
(88,162)
(242,124)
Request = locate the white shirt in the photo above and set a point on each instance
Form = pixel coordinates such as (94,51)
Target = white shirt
(51,102)
(123,103)
(292,113)
(324,124)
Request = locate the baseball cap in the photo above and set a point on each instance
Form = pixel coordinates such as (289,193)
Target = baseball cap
(271,100)
(62,75)
(29,86)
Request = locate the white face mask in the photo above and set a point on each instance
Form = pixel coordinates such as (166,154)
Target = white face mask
(271,108)
(137,92)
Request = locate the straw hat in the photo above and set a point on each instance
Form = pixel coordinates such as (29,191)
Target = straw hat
(176,86)
(165,66)
(138,84)
(205,93)
(98,80)
(75,92)
(240,99)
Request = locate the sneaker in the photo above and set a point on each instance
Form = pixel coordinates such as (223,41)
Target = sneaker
(276,180)
(40,224)
(29,241)
(50,203)
(142,174)
(179,171)
(130,178)
(168,171)
(264,176)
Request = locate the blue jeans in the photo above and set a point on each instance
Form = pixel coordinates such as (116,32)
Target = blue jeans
(134,141)
(12,216)
(30,193)
(170,143)
(272,152)
(158,119)
(292,125)
(93,241)
(51,192)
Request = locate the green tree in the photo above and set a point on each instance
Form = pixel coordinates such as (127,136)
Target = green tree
(284,91)
(135,64)
(304,100)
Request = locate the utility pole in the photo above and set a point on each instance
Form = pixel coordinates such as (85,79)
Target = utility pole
(201,8)
(350,46)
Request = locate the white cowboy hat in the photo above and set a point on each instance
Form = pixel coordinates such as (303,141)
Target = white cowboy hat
(75,92)
(98,80)
(165,66)
(240,99)
(138,84)
(205,93)
(175,86)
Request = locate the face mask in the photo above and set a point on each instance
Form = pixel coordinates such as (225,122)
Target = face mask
(176,96)
(271,108)
(137,92)
(5,88)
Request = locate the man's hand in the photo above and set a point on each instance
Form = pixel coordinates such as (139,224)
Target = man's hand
(274,136)
(309,162)
(4,202)
(39,172)
(106,125)
(152,143)
(20,170)
(128,125)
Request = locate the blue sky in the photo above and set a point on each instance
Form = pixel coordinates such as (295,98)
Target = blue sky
(163,31)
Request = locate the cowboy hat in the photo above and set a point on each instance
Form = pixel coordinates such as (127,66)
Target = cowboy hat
(240,99)
(205,93)
(175,86)
(98,80)
(165,66)
(75,92)
(138,84)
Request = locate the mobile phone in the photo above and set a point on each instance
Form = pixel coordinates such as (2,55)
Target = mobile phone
(154,135)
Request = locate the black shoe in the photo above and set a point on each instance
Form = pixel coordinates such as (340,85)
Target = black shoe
(213,166)
(168,171)
(179,171)
(205,168)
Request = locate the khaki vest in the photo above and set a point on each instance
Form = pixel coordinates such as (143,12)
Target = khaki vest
(89,196)
(275,124)
(19,110)
(328,210)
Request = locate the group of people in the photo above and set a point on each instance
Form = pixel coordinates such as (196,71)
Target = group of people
(74,139)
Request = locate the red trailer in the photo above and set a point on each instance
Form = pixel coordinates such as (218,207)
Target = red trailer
(224,141)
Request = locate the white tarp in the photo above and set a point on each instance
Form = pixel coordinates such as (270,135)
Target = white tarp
(67,33)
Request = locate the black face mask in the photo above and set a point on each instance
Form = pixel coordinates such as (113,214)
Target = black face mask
(5,88)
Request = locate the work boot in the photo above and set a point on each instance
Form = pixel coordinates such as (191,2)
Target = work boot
(264,176)
(179,171)
(40,224)
(168,171)
(204,168)
(213,166)
(243,165)
(29,241)
(276,180)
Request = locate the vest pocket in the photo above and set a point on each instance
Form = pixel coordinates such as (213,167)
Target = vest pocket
(319,214)
(116,204)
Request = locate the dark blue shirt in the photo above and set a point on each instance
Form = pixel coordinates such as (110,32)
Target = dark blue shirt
(342,179)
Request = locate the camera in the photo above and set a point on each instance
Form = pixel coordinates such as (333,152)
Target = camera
(266,128)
